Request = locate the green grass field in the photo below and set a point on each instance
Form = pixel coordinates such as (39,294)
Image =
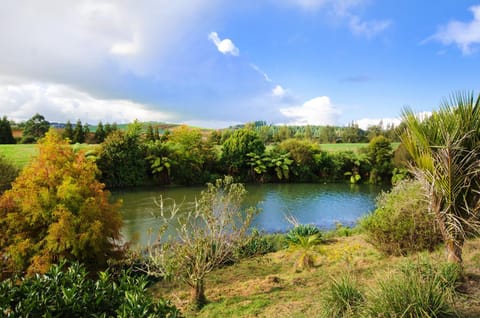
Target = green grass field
(20,155)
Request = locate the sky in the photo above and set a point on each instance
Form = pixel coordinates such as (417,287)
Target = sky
(213,63)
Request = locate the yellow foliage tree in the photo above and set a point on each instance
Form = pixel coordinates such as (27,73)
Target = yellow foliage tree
(56,210)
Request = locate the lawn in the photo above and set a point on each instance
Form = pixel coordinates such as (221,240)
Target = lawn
(268,286)
(20,154)
(349,147)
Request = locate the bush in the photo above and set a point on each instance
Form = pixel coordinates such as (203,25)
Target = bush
(302,230)
(68,292)
(260,244)
(8,173)
(401,223)
(419,290)
(342,299)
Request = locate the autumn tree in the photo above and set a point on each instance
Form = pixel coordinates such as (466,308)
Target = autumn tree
(57,210)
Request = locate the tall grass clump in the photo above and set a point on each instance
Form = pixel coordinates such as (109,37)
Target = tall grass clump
(417,290)
(342,299)
(401,223)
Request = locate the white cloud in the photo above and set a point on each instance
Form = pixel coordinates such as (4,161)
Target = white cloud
(316,111)
(61,103)
(278,91)
(343,11)
(462,34)
(261,72)
(224,46)
(367,28)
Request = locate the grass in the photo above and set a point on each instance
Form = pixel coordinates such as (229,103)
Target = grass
(268,286)
(21,154)
(349,147)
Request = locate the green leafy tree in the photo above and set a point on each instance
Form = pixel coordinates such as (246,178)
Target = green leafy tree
(35,128)
(380,154)
(445,153)
(121,158)
(57,210)
(68,132)
(207,234)
(150,135)
(6,135)
(238,146)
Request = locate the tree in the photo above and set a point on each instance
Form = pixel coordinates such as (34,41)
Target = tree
(207,234)
(121,158)
(150,135)
(78,133)
(236,148)
(35,128)
(68,132)
(380,155)
(445,151)
(100,133)
(57,210)
(6,135)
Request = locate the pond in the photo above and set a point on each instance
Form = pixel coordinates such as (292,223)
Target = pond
(321,204)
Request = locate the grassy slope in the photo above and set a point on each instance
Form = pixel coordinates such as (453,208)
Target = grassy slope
(20,155)
(269,287)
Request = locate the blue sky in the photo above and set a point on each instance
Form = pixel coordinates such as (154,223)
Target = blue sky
(215,63)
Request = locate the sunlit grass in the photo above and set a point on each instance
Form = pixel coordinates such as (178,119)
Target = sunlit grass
(269,286)
(21,154)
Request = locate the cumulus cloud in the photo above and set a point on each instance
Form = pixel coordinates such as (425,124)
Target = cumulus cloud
(316,111)
(61,103)
(224,46)
(463,34)
(279,91)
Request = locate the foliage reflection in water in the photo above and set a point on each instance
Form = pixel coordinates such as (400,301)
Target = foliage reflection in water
(321,204)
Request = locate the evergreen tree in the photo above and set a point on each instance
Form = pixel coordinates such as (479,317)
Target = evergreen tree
(78,133)
(68,132)
(108,130)
(6,135)
(150,136)
(100,133)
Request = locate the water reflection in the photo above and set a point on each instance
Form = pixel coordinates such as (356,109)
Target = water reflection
(319,204)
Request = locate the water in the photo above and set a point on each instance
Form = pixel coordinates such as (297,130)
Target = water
(321,204)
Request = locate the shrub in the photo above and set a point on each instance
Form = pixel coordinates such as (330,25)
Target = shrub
(8,173)
(401,223)
(342,298)
(302,230)
(416,291)
(259,243)
(68,292)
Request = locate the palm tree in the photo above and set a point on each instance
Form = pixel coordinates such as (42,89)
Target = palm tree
(445,152)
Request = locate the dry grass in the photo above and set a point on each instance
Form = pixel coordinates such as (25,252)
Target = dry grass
(269,286)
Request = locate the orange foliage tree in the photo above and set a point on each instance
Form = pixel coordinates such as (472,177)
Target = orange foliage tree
(57,210)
